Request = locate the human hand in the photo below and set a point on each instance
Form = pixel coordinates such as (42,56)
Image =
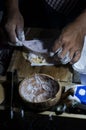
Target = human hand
(70,43)
(14,27)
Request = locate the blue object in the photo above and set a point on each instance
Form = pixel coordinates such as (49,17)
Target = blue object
(80,93)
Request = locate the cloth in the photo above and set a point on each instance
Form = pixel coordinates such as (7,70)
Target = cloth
(80,65)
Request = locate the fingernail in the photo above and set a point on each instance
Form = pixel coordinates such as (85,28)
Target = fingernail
(58,51)
(66,58)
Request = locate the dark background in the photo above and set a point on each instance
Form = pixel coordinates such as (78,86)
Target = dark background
(38,13)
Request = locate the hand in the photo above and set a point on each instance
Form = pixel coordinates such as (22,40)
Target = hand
(71,41)
(14,27)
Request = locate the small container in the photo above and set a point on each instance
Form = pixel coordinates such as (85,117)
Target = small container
(33,91)
(79,95)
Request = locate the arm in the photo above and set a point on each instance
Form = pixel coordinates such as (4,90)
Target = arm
(11,4)
(72,38)
(14,21)
(81,22)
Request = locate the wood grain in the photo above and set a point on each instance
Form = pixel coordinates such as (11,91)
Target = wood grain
(24,69)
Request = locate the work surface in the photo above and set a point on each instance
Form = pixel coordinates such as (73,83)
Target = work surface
(63,73)
(24,69)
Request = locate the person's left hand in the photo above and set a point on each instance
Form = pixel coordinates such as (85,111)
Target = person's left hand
(71,41)
(14,26)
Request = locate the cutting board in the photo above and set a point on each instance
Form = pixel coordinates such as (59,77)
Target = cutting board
(24,69)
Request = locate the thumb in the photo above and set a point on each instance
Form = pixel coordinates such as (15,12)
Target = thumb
(10,29)
(12,36)
(20,34)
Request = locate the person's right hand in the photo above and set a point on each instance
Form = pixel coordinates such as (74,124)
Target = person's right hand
(14,27)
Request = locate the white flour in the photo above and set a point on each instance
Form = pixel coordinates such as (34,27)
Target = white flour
(38,89)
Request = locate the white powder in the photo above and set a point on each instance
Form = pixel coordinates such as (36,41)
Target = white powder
(38,89)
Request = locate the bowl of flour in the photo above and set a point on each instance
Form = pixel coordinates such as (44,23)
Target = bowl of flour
(40,91)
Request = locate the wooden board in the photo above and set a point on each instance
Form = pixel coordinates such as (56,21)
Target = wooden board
(24,68)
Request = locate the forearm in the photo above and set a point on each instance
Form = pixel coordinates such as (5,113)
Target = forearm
(81,22)
(11,5)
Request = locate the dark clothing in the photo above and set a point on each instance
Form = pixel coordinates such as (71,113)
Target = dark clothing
(39,13)
(63,6)
(1,5)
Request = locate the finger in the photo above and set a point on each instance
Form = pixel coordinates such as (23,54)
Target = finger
(66,58)
(57,45)
(12,35)
(20,33)
(18,42)
(76,56)
(64,52)
(71,54)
